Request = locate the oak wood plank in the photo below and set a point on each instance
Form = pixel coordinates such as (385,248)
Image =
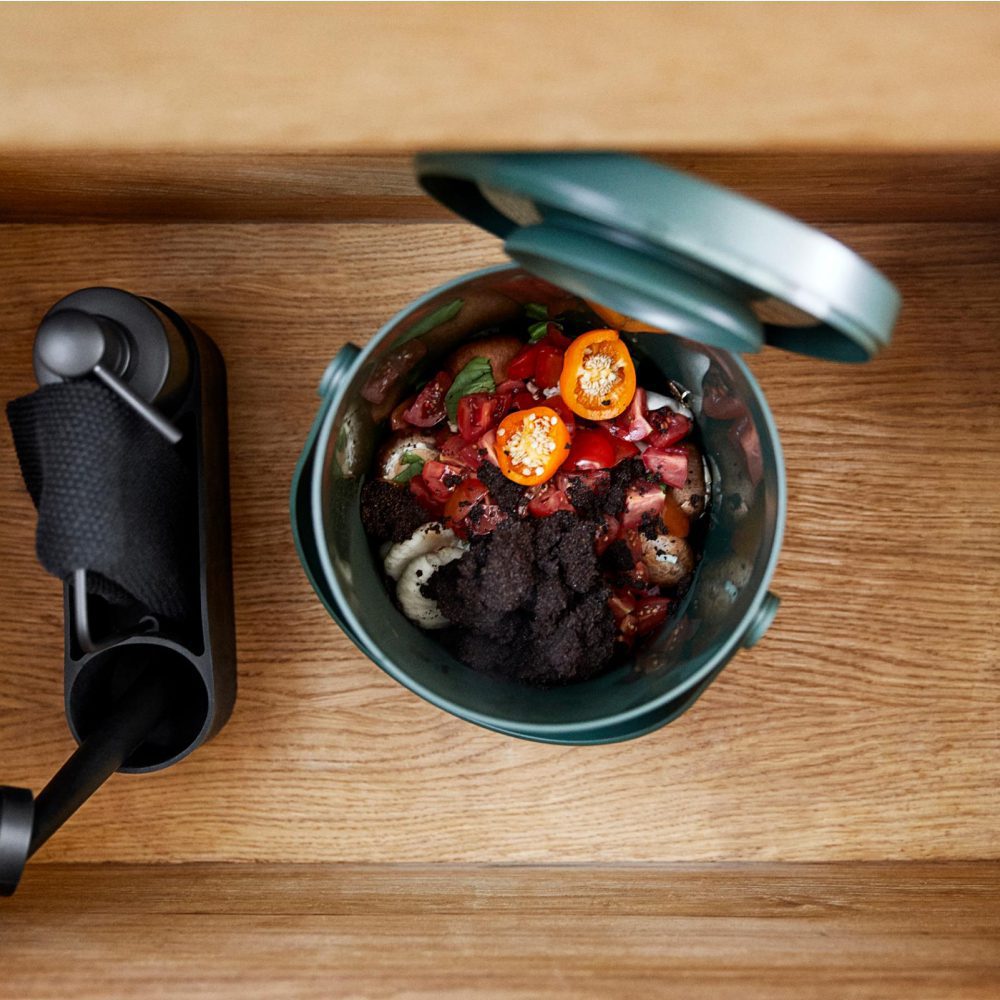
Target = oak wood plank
(322,187)
(864,726)
(370,77)
(220,931)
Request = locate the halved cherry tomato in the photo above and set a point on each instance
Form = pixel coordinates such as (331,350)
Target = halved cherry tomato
(650,614)
(480,411)
(669,465)
(532,445)
(467,493)
(548,500)
(598,377)
(591,449)
(633,425)
(548,366)
(428,408)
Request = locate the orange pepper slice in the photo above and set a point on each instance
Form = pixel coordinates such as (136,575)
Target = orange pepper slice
(531,445)
(598,376)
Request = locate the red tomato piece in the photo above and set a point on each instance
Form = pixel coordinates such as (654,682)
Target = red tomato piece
(555,337)
(607,532)
(568,417)
(548,500)
(424,496)
(455,450)
(632,425)
(428,408)
(470,491)
(480,411)
(668,427)
(548,365)
(622,604)
(650,614)
(440,479)
(485,518)
(670,465)
(486,449)
(591,449)
(398,421)
(522,365)
(642,498)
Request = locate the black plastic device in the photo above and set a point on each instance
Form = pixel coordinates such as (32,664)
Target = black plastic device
(140,692)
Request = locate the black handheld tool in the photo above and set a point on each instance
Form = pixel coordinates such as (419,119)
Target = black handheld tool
(124,450)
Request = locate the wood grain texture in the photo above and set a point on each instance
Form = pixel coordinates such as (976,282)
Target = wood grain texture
(725,931)
(864,726)
(364,77)
(321,187)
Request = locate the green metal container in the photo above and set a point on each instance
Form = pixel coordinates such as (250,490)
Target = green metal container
(725,275)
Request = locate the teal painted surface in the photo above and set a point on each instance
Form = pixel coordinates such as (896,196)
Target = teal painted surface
(722,609)
(670,249)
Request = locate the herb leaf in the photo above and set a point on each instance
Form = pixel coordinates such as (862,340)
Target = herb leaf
(537,331)
(535,310)
(413,465)
(429,322)
(476,376)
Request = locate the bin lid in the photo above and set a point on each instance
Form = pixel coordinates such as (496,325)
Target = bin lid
(672,252)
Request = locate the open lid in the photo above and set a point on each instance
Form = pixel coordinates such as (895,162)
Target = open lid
(671,251)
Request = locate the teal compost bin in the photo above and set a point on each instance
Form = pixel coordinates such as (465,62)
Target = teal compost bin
(724,275)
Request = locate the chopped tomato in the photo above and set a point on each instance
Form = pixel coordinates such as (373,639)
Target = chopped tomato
(455,450)
(486,449)
(467,493)
(668,427)
(633,425)
(642,498)
(480,411)
(522,365)
(598,376)
(426,499)
(670,465)
(440,479)
(596,480)
(622,604)
(624,449)
(568,416)
(532,445)
(428,408)
(591,449)
(548,500)
(555,337)
(484,517)
(398,421)
(607,532)
(650,614)
(548,365)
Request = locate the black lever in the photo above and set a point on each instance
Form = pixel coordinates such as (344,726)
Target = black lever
(26,823)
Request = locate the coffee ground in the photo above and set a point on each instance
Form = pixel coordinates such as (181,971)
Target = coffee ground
(528,602)
(390,512)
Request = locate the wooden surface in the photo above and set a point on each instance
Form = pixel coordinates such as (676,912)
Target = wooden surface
(360,77)
(320,187)
(882,931)
(865,725)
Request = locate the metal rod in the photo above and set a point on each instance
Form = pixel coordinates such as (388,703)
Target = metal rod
(102,753)
(149,413)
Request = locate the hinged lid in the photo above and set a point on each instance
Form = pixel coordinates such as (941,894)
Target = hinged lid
(671,251)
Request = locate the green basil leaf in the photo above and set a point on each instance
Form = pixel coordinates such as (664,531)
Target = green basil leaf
(413,465)
(537,331)
(429,322)
(476,376)
(535,310)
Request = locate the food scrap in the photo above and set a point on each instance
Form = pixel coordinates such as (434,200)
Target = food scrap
(537,507)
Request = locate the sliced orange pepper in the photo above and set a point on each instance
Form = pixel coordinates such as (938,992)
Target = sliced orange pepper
(598,377)
(531,445)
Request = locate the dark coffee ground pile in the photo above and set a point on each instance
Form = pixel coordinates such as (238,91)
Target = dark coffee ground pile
(389,512)
(528,602)
(507,495)
(611,498)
